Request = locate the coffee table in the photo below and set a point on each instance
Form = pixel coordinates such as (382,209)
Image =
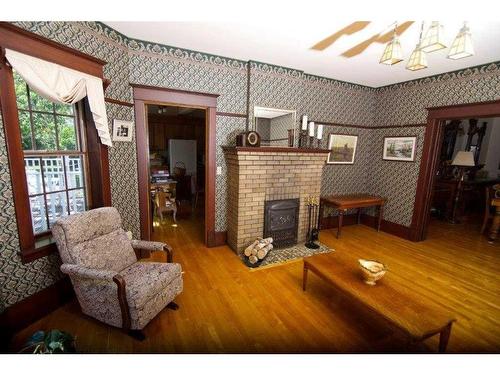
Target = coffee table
(396,305)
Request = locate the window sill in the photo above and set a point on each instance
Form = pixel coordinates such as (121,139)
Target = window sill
(30,255)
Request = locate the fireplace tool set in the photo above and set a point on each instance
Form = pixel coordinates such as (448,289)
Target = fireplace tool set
(312,223)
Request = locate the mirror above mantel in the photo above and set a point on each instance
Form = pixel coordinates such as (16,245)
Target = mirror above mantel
(273,126)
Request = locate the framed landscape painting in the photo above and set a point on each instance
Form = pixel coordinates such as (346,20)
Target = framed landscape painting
(342,148)
(399,148)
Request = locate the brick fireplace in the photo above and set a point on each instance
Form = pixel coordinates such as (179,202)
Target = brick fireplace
(263,174)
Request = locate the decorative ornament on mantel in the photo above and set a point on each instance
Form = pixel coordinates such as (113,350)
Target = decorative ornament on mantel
(431,42)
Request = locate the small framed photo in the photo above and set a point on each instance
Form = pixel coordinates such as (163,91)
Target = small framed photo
(122,130)
(342,148)
(399,148)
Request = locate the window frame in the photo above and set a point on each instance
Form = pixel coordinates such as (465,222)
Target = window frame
(98,182)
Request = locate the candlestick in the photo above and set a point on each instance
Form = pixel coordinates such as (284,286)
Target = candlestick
(304,122)
(320,132)
(311,129)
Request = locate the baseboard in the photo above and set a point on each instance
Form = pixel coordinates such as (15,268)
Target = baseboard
(395,229)
(217,239)
(387,226)
(329,222)
(36,306)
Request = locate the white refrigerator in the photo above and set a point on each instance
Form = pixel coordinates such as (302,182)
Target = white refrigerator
(183,151)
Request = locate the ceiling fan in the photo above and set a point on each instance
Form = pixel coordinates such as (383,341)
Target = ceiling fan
(360,47)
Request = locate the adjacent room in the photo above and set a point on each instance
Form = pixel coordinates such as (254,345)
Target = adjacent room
(188,187)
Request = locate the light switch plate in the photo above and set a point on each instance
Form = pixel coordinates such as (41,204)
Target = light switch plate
(219,171)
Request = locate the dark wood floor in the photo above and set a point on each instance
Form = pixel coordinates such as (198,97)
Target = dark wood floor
(227,308)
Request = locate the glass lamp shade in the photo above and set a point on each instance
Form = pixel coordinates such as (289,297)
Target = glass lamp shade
(462,45)
(393,52)
(433,40)
(464,159)
(417,60)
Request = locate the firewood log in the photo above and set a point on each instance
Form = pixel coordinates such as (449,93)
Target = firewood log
(261,253)
(248,250)
(253,259)
(253,251)
(268,240)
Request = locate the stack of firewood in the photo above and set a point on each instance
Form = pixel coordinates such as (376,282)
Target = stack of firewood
(258,250)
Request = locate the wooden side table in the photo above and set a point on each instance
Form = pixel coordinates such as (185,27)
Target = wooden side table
(495,225)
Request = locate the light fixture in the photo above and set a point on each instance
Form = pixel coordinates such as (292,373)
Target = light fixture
(433,40)
(392,52)
(462,45)
(418,58)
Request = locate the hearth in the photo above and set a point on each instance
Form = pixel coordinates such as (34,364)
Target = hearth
(281,219)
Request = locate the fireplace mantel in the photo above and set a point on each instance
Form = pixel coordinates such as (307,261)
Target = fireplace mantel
(276,149)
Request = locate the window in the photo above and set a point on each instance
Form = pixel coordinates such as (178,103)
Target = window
(54,157)
(58,165)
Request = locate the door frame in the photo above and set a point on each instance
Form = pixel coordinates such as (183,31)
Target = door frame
(144,95)
(430,156)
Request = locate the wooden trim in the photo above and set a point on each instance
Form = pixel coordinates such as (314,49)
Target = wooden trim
(210,150)
(144,95)
(15,157)
(122,300)
(231,114)
(368,127)
(36,306)
(430,156)
(220,238)
(146,88)
(119,102)
(23,41)
(276,149)
(331,222)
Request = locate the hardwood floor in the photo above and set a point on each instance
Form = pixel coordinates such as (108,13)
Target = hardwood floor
(227,308)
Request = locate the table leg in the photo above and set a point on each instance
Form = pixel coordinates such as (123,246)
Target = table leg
(359,215)
(380,214)
(304,277)
(495,225)
(341,219)
(444,336)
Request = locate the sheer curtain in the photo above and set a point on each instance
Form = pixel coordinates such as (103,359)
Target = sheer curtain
(63,85)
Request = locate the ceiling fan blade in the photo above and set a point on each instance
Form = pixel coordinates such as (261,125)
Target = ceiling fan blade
(348,30)
(360,48)
(377,38)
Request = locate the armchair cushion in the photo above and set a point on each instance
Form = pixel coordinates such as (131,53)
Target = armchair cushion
(90,273)
(146,280)
(111,251)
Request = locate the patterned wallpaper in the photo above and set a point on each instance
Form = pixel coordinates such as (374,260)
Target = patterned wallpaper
(322,99)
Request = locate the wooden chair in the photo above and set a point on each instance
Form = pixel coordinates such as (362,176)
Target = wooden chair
(490,193)
(196,190)
(164,203)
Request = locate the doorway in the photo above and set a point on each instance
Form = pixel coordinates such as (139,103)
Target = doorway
(437,119)
(147,100)
(467,171)
(176,139)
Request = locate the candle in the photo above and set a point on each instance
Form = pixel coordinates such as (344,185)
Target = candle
(304,122)
(320,131)
(311,129)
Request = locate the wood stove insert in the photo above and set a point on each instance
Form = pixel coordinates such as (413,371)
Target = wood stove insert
(281,219)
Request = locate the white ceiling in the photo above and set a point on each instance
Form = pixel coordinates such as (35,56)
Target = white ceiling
(288,44)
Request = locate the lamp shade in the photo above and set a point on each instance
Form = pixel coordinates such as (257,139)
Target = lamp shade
(464,159)
(462,45)
(417,60)
(433,39)
(392,52)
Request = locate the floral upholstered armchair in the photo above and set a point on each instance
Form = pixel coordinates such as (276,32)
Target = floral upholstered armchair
(110,283)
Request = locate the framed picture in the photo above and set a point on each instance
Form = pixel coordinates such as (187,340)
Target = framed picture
(399,148)
(122,130)
(342,148)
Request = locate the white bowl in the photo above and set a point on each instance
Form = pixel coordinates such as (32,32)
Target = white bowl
(372,270)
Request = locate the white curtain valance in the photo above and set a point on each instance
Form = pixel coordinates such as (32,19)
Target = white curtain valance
(63,85)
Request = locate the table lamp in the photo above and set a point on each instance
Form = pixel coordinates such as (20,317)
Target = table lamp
(462,159)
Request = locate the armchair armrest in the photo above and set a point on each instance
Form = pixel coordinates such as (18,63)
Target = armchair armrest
(88,273)
(149,246)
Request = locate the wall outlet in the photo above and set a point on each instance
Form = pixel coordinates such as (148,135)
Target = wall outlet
(219,171)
